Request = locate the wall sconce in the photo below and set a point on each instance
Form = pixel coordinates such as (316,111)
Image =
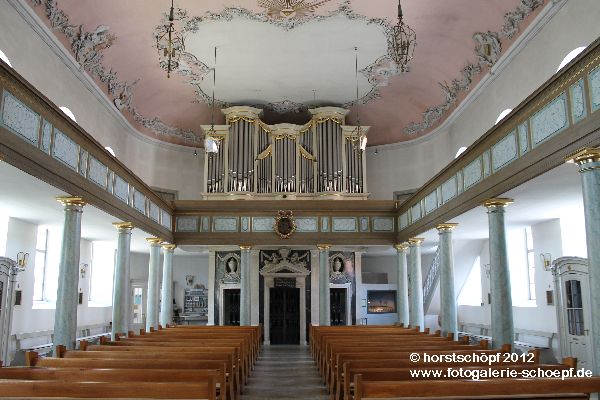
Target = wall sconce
(487,268)
(22,259)
(83,270)
(546,260)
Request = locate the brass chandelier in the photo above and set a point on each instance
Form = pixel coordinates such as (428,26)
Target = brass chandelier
(401,43)
(211,141)
(169,44)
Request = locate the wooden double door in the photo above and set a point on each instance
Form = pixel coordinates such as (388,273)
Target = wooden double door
(284,313)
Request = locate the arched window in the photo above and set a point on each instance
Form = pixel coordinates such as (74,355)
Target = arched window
(569,57)
(68,113)
(110,150)
(502,115)
(4,58)
(460,151)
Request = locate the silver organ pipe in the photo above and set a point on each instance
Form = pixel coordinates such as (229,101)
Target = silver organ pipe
(323,156)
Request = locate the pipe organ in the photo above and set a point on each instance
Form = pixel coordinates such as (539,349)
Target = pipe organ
(254,160)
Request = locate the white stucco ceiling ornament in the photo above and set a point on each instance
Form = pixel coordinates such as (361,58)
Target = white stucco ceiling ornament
(290,8)
(282,77)
(488,51)
(87,48)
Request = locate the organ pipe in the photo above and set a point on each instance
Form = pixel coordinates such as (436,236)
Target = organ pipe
(320,157)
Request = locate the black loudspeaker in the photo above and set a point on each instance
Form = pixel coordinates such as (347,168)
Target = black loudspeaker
(80,298)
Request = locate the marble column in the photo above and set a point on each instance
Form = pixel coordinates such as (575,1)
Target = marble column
(588,160)
(120,308)
(67,296)
(324,312)
(153,284)
(447,292)
(254,287)
(245,285)
(500,291)
(166,295)
(402,292)
(417,314)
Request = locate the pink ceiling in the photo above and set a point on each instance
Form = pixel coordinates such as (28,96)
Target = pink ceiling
(445,45)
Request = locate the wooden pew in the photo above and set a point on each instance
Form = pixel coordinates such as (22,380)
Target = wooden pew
(162,363)
(27,389)
(215,378)
(484,389)
(408,374)
(339,355)
(159,354)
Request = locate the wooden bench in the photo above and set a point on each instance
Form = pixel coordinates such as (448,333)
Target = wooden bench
(433,373)
(199,354)
(502,388)
(30,389)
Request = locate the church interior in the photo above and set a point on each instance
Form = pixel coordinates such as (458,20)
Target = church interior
(273,199)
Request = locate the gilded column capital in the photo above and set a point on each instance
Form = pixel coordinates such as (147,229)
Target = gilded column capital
(401,246)
(154,241)
(446,227)
(415,241)
(497,202)
(169,247)
(123,226)
(323,247)
(585,156)
(71,201)
(245,247)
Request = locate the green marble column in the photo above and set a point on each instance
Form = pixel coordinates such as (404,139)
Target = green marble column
(67,296)
(402,292)
(324,312)
(500,291)
(166,294)
(447,293)
(588,160)
(245,285)
(120,308)
(417,314)
(153,284)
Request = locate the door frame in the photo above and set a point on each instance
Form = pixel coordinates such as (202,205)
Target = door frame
(299,308)
(222,288)
(348,287)
(569,268)
(144,285)
(269,282)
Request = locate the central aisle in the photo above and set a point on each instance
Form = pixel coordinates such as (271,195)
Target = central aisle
(285,372)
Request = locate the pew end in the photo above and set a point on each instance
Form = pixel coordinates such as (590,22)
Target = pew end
(570,362)
(60,351)
(83,345)
(31,358)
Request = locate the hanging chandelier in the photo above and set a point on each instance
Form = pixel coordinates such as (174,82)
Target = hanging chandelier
(358,131)
(169,44)
(211,143)
(401,43)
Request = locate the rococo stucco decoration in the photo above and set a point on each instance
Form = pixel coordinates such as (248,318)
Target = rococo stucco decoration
(341,268)
(285,260)
(87,48)
(228,267)
(377,73)
(488,50)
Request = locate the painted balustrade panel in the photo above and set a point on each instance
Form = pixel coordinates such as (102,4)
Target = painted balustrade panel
(34,120)
(570,97)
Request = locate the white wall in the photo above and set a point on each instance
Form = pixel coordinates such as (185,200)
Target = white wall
(406,166)
(183,265)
